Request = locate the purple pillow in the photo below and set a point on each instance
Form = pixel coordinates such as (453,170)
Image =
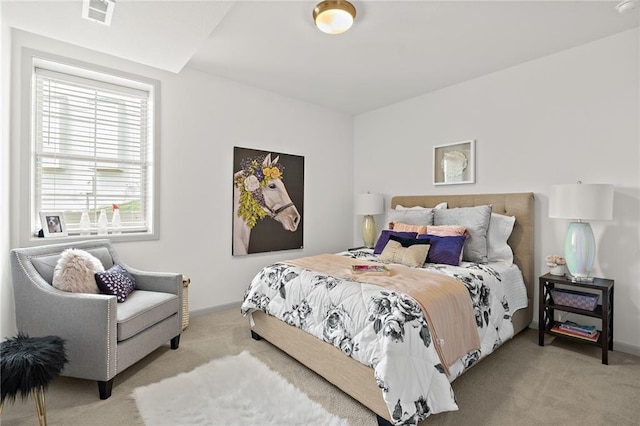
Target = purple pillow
(384,238)
(116,281)
(444,250)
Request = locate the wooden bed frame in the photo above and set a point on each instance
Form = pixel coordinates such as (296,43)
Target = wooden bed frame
(356,379)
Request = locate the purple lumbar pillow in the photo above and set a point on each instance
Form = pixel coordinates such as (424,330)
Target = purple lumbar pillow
(446,250)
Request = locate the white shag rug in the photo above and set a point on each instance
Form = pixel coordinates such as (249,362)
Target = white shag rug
(234,390)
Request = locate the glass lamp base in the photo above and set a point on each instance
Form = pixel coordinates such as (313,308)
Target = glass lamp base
(368,231)
(580,251)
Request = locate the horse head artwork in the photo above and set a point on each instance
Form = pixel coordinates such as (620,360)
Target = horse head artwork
(258,192)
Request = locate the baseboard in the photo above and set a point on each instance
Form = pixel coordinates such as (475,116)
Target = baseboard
(617,346)
(626,348)
(218,308)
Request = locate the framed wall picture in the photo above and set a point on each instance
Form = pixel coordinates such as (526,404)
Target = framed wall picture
(53,224)
(454,163)
(268,201)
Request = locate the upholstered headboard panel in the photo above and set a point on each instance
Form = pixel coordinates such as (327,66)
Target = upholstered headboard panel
(520,205)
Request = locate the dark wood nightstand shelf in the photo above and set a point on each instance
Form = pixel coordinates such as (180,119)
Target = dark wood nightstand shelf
(604,311)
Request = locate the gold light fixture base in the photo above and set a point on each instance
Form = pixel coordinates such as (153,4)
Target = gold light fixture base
(334,16)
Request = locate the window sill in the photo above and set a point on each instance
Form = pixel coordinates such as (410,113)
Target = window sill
(127,237)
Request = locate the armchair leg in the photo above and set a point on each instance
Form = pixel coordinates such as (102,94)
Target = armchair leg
(105,388)
(175,342)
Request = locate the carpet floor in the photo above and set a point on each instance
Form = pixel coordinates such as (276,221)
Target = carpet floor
(521,383)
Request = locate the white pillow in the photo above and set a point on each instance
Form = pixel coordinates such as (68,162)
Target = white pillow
(75,272)
(438,206)
(500,228)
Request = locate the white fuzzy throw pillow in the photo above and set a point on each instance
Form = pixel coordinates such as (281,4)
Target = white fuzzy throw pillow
(75,272)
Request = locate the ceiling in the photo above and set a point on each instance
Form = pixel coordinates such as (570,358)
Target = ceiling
(396,49)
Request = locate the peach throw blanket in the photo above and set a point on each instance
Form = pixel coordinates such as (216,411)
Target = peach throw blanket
(445,301)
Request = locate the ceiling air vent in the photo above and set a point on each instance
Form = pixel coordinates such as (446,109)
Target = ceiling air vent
(100,11)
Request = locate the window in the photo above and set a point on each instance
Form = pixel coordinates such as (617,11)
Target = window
(93,145)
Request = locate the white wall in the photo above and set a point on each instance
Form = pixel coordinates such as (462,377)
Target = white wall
(202,119)
(569,116)
(559,119)
(6,308)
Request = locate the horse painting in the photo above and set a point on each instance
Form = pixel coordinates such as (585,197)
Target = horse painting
(258,192)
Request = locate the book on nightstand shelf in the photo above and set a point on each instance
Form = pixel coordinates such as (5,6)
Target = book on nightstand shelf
(370,269)
(587,330)
(592,336)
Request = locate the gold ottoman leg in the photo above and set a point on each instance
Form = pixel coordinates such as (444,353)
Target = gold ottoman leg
(38,393)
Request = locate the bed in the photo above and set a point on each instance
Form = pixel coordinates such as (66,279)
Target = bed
(337,362)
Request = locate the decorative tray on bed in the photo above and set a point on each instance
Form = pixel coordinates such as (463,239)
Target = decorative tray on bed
(370,269)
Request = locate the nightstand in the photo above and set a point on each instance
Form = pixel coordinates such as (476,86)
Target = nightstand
(603,311)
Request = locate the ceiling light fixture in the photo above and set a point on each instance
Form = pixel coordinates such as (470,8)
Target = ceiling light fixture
(100,11)
(334,16)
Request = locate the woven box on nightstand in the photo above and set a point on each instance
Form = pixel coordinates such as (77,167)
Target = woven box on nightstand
(575,299)
(185,302)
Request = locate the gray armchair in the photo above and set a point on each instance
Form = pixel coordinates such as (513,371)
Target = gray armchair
(102,337)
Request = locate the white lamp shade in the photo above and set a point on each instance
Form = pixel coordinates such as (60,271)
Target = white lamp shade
(369,204)
(581,201)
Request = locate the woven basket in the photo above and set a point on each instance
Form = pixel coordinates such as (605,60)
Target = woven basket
(185,302)
(575,299)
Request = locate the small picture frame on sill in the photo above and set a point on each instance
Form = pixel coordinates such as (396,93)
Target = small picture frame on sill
(454,163)
(53,224)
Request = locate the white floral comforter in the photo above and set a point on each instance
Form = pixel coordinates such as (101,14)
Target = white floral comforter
(384,329)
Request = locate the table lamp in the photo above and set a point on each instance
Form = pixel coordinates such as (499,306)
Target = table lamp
(581,202)
(369,205)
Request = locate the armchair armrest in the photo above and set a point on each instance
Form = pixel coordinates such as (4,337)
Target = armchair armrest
(166,282)
(157,281)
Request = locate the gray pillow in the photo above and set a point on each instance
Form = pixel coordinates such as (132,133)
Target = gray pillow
(476,220)
(45,265)
(410,217)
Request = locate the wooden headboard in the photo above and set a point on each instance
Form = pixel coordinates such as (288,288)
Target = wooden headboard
(520,205)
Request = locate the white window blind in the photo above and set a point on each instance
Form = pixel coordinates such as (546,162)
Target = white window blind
(92,150)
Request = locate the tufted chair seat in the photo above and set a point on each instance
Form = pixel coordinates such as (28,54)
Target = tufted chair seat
(102,337)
